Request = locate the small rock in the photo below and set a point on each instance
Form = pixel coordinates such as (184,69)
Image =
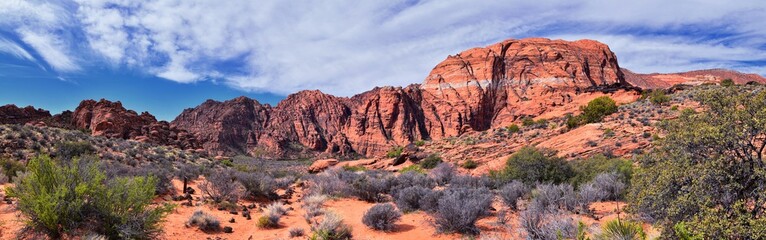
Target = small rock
(228,229)
(232,220)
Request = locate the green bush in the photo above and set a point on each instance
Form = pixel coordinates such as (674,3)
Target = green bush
(394,152)
(420,143)
(513,128)
(60,198)
(598,108)
(527,121)
(587,169)
(574,121)
(431,161)
(531,165)
(413,168)
(727,82)
(658,97)
(469,164)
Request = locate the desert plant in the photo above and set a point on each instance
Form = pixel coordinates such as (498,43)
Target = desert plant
(296,232)
(658,97)
(531,165)
(395,152)
(278,208)
(69,149)
(413,168)
(513,128)
(204,221)
(331,228)
(561,196)
(430,201)
(587,169)
(442,173)
(511,192)
(221,186)
(459,209)
(257,184)
(11,168)
(381,217)
(328,183)
(727,82)
(610,184)
(409,179)
(371,189)
(408,199)
(541,223)
(621,230)
(124,208)
(598,108)
(431,161)
(469,164)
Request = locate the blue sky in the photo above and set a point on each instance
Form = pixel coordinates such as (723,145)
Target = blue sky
(163,56)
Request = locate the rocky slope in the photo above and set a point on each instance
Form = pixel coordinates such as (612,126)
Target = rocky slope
(475,90)
(698,77)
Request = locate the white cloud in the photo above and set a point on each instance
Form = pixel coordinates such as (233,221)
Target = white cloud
(344,47)
(12,48)
(51,48)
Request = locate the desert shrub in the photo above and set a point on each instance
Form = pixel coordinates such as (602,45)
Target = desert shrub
(442,173)
(420,143)
(459,209)
(124,211)
(469,164)
(431,161)
(284,182)
(513,128)
(658,97)
(468,181)
(511,192)
(408,199)
(371,189)
(561,196)
(296,232)
(541,223)
(527,121)
(395,152)
(329,183)
(623,230)
(11,168)
(531,165)
(164,184)
(574,121)
(413,168)
(58,198)
(312,204)
(189,171)
(381,216)
(430,201)
(221,186)
(409,179)
(610,184)
(204,221)
(271,217)
(54,197)
(278,208)
(598,108)
(587,169)
(587,194)
(727,82)
(257,184)
(69,149)
(3,178)
(708,172)
(331,228)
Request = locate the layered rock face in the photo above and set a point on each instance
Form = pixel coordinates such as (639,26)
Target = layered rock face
(474,90)
(667,80)
(11,114)
(112,120)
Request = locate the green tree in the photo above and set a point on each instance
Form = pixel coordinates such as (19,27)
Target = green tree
(658,97)
(598,108)
(727,82)
(708,172)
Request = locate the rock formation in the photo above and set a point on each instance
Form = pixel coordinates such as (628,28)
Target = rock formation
(112,120)
(11,114)
(474,90)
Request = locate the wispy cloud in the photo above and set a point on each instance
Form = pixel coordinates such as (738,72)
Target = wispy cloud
(14,49)
(344,47)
